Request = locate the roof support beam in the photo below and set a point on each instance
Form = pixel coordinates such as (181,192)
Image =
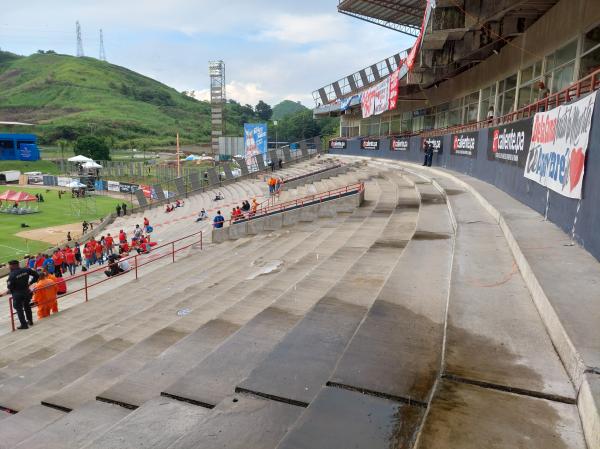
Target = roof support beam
(404,29)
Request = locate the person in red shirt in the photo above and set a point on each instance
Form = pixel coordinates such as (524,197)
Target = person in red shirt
(124,248)
(122,236)
(109,244)
(99,249)
(146,224)
(70,260)
(58,259)
(39,261)
(88,254)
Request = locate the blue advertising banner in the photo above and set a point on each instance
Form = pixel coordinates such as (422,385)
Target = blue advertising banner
(29,152)
(255,141)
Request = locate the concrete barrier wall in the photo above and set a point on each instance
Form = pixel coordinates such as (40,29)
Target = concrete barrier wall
(274,222)
(562,211)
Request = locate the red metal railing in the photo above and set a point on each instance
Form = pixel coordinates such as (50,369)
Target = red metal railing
(136,261)
(585,85)
(306,200)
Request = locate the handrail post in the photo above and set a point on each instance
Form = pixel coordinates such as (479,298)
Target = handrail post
(201,237)
(85,281)
(173,250)
(12,313)
(135,261)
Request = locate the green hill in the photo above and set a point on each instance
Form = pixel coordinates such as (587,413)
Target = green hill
(285,108)
(68,97)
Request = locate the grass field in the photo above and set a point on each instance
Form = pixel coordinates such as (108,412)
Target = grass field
(54,212)
(46,167)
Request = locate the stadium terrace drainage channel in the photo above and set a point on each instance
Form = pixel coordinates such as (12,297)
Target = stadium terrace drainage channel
(57,407)
(272,397)
(517,391)
(187,400)
(120,404)
(390,243)
(377,394)
(428,198)
(426,235)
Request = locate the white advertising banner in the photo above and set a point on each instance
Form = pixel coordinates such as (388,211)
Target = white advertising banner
(559,143)
(63,182)
(113,186)
(381,97)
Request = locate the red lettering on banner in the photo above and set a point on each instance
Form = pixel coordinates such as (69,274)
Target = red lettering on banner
(394,86)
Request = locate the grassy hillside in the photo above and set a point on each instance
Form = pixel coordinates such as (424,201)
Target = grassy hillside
(68,96)
(285,108)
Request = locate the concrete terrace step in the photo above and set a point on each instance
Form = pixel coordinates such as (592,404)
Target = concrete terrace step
(241,422)
(215,377)
(163,420)
(142,385)
(100,378)
(113,309)
(76,428)
(498,353)
(23,425)
(381,384)
(133,359)
(291,374)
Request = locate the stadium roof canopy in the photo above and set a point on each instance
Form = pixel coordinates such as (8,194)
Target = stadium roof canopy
(404,16)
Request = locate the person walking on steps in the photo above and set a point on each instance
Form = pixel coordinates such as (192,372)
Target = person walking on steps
(19,281)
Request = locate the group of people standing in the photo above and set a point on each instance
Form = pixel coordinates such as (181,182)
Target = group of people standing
(42,281)
(275,185)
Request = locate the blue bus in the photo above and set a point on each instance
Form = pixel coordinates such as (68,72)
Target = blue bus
(19,147)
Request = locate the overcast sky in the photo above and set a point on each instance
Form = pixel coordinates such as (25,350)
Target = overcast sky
(273,50)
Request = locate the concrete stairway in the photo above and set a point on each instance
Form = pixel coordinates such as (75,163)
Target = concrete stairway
(403,323)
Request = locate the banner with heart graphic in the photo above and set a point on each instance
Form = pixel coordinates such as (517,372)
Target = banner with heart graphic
(559,142)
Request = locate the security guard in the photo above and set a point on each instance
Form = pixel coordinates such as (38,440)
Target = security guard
(18,285)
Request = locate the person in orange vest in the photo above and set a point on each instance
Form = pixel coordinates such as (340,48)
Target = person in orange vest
(44,295)
(254,207)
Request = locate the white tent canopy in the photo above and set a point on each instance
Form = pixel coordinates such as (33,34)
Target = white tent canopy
(80,158)
(75,185)
(91,164)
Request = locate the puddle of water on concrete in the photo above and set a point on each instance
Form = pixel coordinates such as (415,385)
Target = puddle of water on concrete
(265,268)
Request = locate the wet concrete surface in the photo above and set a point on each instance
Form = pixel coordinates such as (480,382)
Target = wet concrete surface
(470,417)
(162,371)
(495,333)
(87,387)
(163,421)
(76,428)
(22,425)
(241,422)
(216,376)
(346,419)
(301,363)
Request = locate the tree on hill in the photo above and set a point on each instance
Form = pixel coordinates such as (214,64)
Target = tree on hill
(92,147)
(302,125)
(263,111)
(287,107)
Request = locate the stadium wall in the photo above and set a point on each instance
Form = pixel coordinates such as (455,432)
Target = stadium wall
(562,211)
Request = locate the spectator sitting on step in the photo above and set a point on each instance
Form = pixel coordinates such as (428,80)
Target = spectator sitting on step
(124,263)
(218,196)
(245,206)
(113,266)
(179,203)
(201,216)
